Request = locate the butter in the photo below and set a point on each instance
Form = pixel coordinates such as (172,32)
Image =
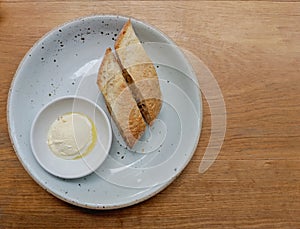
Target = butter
(72,136)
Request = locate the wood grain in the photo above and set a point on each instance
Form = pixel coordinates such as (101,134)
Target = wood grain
(253,49)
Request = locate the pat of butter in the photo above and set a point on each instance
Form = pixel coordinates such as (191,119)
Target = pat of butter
(71,136)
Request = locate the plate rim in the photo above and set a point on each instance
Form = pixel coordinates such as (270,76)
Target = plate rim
(41,184)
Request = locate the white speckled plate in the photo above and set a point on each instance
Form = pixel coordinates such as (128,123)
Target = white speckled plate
(65,62)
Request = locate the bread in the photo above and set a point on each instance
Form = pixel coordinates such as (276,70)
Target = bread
(139,73)
(119,100)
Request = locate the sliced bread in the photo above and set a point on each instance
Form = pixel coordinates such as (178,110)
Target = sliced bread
(139,72)
(119,100)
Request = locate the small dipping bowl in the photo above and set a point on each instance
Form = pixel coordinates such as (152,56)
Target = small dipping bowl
(70,168)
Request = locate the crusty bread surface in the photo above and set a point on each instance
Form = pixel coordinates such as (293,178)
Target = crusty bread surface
(139,72)
(119,100)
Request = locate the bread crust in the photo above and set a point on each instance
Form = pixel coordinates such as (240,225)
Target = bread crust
(139,72)
(119,100)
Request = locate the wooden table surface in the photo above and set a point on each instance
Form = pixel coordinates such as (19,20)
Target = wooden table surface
(253,50)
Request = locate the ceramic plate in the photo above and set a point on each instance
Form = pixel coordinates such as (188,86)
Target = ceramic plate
(65,63)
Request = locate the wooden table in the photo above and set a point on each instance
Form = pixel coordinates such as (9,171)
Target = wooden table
(253,50)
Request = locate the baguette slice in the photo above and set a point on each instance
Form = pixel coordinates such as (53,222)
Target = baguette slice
(119,100)
(139,73)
